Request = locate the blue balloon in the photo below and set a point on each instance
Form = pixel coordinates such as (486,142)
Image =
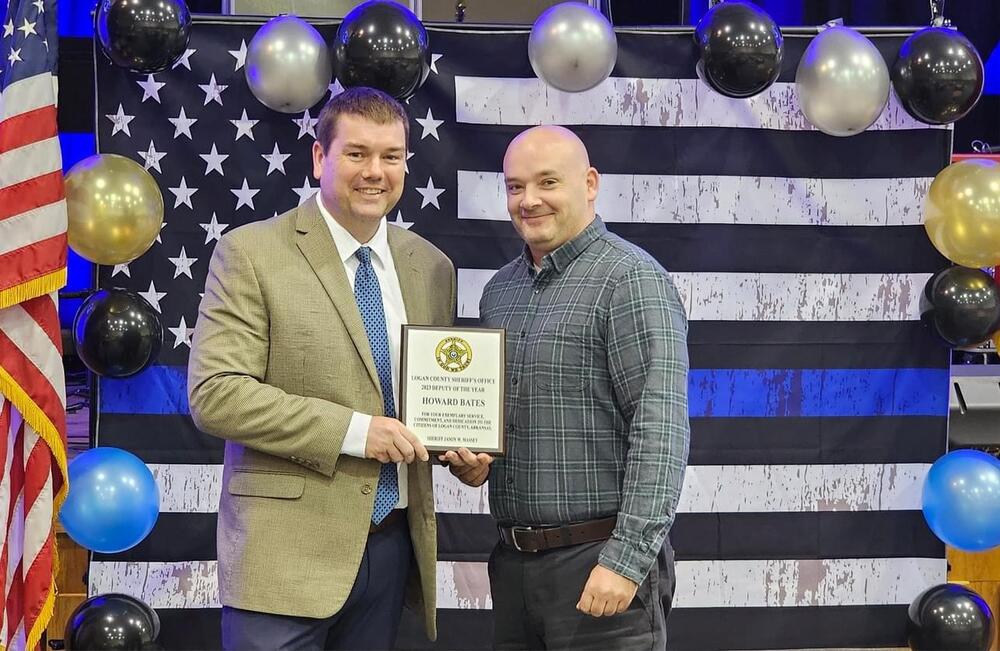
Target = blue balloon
(113,501)
(961,500)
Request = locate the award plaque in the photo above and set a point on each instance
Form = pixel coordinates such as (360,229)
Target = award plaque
(452,387)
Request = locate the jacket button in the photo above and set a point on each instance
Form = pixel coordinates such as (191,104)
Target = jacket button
(366,489)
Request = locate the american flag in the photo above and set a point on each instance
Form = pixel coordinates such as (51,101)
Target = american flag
(818,401)
(32,268)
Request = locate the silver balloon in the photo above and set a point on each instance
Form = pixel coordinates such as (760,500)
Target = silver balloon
(842,82)
(572,47)
(288,65)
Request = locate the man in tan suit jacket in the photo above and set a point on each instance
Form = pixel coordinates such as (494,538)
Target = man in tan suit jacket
(286,367)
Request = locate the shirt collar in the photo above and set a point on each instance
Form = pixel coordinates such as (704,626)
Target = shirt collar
(347,244)
(565,254)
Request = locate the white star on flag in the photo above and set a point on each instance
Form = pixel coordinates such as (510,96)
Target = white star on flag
(158,241)
(151,88)
(183,61)
(27,28)
(182,264)
(244,126)
(244,195)
(430,125)
(213,161)
(213,229)
(240,54)
(182,335)
(153,297)
(213,91)
(399,221)
(152,157)
(305,191)
(121,268)
(307,125)
(120,121)
(182,124)
(335,88)
(15,56)
(182,194)
(434,60)
(409,155)
(275,160)
(430,194)
(40,5)
(8,28)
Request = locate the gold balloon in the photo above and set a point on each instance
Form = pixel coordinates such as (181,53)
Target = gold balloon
(962,212)
(115,209)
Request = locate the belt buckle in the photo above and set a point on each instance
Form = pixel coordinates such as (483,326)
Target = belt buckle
(513,537)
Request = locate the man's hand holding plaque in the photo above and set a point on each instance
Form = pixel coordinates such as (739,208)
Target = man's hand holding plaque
(471,469)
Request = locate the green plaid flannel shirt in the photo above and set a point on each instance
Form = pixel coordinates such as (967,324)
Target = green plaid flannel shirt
(596,409)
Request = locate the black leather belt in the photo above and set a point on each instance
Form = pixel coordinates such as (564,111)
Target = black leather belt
(394,516)
(540,538)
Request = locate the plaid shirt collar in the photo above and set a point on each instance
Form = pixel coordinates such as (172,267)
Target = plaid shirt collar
(559,259)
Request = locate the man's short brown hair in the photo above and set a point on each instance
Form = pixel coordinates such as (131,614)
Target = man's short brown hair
(368,103)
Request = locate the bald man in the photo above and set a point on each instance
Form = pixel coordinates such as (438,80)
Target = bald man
(597,418)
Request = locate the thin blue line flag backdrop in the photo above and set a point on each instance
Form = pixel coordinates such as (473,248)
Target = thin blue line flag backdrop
(818,400)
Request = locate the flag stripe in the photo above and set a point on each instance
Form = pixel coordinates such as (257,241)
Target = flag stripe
(737,248)
(29,161)
(636,102)
(690,629)
(712,392)
(25,373)
(828,392)
(696,151)
(26,128)
(173,438)
(195,488)
(866,439)
(695,536)
(700,584)
(30,194)
(33,261)
(45,312)
(26,346)
(25,95)
(712,199)
(42,223)
(767,297)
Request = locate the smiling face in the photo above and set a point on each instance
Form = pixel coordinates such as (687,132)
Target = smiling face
(361,172)
(551,188)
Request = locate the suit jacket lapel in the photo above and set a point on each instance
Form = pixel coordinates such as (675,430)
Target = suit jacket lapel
(411,279)
(321,253)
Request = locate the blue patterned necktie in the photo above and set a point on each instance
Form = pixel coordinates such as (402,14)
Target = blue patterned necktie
(368,294)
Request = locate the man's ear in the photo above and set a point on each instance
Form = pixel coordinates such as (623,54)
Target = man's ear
(593,183)
(318,156)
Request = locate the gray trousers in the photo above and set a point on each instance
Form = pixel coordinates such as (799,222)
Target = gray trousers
(535,597)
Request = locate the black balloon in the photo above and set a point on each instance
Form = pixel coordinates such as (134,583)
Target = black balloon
(938,75)
(741,49)
(143,35)
(961,305)
(117,333)
(112,622)
(383,45)
(949,616)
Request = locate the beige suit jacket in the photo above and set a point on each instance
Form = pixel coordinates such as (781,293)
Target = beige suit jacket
(279,363)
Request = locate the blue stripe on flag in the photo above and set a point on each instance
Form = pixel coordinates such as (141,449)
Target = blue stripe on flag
(157,390)
(719,393)
(818,392)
